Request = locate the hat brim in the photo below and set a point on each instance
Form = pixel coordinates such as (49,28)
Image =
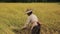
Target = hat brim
(28,11)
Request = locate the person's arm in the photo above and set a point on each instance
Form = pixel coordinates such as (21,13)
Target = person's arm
(26,24)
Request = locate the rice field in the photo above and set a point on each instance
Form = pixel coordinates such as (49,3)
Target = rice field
(12,16)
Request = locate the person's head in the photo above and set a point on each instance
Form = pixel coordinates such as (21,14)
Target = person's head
(29,12)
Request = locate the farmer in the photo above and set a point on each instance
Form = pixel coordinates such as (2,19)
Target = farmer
(32,19)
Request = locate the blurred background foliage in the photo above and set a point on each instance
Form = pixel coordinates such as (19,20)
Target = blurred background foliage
(29,1)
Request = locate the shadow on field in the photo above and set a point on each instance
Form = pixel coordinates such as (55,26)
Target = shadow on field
(44,30)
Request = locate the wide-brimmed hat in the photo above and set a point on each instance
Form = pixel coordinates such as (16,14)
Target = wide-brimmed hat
(28,10)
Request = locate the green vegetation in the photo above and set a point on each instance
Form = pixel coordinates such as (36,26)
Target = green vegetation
(12,15)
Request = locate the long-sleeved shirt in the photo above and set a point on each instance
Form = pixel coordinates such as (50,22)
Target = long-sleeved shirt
(32,19)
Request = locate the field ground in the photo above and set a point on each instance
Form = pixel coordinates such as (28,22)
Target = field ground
(12,15)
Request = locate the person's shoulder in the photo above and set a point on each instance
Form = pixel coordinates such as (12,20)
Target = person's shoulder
(33,16)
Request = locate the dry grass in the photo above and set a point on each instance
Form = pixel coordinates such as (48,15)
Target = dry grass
(12,15)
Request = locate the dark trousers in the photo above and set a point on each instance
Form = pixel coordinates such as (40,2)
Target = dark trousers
(36,30)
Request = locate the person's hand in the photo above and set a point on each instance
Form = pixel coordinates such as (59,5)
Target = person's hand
(23,28)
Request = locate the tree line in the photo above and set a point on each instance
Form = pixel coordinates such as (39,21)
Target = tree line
(29,0)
